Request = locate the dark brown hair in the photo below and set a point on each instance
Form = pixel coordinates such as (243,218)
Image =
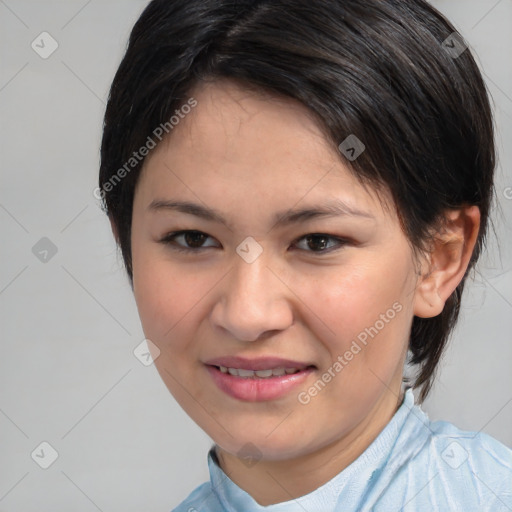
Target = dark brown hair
(377,69)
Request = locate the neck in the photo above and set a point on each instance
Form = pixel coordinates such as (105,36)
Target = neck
(275,481)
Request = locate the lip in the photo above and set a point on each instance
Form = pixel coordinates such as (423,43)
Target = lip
(258,389)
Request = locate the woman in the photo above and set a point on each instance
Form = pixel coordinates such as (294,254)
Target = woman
(299,190)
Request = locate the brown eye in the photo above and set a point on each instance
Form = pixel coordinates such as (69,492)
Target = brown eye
(192,239)
(318,242)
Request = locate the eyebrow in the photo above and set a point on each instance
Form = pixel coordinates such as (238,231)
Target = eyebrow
(333,208)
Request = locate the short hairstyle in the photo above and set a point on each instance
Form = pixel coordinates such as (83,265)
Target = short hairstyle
(376,69)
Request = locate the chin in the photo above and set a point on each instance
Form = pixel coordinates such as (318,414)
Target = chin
(261,447)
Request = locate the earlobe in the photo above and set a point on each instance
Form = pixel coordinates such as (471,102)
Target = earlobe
(447,261)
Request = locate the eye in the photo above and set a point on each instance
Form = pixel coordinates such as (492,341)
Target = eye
(191,237)
(319,242)
(194,241)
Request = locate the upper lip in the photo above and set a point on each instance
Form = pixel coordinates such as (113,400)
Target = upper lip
(260,363)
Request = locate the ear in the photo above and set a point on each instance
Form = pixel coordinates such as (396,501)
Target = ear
(114,229)
(447,262)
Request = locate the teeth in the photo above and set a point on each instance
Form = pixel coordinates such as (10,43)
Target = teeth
(246,373)
(263,374)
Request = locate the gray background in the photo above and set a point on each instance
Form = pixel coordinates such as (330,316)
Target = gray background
(69,325)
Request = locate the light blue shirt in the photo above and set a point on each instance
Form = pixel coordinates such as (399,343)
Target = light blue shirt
(414,465)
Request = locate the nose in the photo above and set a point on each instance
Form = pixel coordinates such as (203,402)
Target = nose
(254,301)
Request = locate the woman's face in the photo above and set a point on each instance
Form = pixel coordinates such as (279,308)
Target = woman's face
(337,306)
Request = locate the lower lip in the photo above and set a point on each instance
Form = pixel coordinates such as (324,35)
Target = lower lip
(257,389)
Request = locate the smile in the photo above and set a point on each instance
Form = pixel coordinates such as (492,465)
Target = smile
(262,374)
(258,385)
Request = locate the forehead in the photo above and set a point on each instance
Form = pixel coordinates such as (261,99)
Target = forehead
(244,141)
(231,121)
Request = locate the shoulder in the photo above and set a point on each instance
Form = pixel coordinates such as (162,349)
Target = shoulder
(458,468)
(436,466)
(469,450)
(200,499)
(478,466)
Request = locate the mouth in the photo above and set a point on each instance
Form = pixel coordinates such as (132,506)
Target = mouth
(260,374)
(262,384)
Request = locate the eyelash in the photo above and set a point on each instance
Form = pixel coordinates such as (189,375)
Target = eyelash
(169,240)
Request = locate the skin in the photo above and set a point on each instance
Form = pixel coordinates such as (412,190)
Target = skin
(250,156)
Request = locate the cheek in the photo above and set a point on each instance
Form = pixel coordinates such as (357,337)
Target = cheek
(352,299)
(161,294)
(367,314)
(168,298)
